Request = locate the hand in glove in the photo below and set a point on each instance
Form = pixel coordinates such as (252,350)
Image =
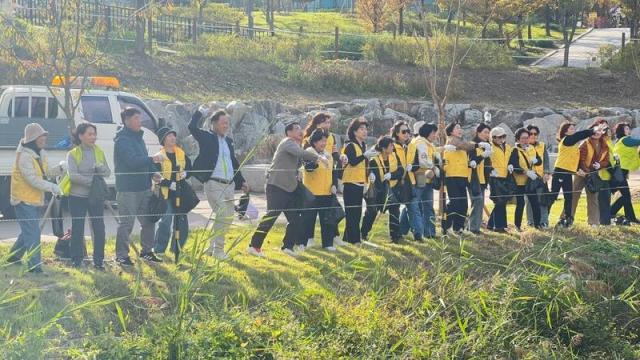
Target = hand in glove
(344,159)
(494,173)
(387,177)
(546,178)
(581,173)
(596,166)
(438,156)
(486,153)
(370,153)
(172,187)
(510,168)
(473,164)
(323,159)
(56,190)
(372,178)
(409,168)
(436,170)
(429,164)
(450,147)
(334,190)
(485,145)
(532,174)
(203,109)
(535,161)
(183,175)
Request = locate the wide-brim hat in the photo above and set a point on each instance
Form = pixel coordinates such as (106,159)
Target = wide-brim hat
(33,131)
(497,132)
(163,132)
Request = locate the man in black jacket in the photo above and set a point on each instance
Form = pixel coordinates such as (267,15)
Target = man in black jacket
(218,169)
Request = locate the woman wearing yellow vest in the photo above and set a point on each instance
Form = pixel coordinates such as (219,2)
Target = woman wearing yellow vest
(406,152)
(322,180)
(523,170)
(499,170)
(173,170)
(28,186)
(354,178)
(457,172)
(566,165)
(322,121)
(479,161)
(386,172)
(594,161)
(626,151)
(543,170)
(429,169)
(84,162)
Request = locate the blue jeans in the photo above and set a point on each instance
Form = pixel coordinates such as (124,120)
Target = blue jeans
(428,214)
(29,239)
(411,216)
(166,228)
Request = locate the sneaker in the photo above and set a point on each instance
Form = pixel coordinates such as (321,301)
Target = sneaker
(36,270)
(418,239)
(331,248)
(299,248)
(337,241)
(310,242)
(290,252)
(255,251)
(396,239)
(221,256)
(124,261)
(150,256)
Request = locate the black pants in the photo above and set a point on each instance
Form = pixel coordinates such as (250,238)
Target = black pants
(321,207)
(353,195)
(535,206)
(498,217)
(562,179)
(624,200)
(279,201)
(78,207)
(370,217)
(604,203)
(458,203)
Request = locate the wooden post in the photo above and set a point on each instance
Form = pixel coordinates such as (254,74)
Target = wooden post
(624,39)
(107,19)
(337,44)
(150,34)
(237,30)
(194,24)
(300,30)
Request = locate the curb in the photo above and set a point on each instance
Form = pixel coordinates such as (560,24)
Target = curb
(535,63)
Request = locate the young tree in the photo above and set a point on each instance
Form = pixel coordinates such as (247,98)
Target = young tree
(569,13)
(400,6)
(374,13)
(65,47)
(631,9)
(249,11)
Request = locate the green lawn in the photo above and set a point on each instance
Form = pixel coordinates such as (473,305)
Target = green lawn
(555,294)
(310,21)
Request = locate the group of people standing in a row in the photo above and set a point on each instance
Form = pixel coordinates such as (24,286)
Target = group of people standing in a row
(400,171)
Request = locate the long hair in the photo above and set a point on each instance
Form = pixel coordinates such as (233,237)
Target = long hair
(81,130)
(318,119)
(562,130)
(618,130)
(354,126)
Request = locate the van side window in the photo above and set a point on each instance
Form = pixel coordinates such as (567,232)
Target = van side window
(38,105)
(96,109)
(21,104)
(52,112)
(147,120)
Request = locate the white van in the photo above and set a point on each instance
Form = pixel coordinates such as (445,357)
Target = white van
(101,105)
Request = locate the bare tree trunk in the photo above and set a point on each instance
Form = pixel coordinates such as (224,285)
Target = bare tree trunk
(401,21)
(140,29)
(519,31)
(249,12)
(547,20)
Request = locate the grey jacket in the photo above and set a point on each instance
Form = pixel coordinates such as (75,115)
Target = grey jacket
(25,166)
(288,158)
(81,174)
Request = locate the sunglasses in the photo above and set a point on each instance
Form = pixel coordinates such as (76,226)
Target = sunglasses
(533,134)
(406,131)
(500,137)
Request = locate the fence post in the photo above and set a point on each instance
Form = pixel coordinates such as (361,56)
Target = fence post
(195,30)
(624,39)
(300,30)
(237,29)
(150,34)
(107,19)
(337,44)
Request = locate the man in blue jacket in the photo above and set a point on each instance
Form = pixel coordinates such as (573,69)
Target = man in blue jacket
(134,168)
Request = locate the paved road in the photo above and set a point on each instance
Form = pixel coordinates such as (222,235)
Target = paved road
(583,50)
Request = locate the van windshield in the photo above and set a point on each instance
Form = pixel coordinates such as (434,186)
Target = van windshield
(146,117)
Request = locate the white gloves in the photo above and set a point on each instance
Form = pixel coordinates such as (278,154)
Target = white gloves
(438,156)
(510,168)
(596,166)
(55,190)
(429,164)
(535,161)
(494,173)
(334,190)
(344,159)
(172,187)
(532,174)
(409,167)
(450,147)
(323,159)
(473,164)
(387,177)
(486,153)
(183,175)
(436,170)
(485,145)
(370,153)
(203,109)
(372,177)
(616,157)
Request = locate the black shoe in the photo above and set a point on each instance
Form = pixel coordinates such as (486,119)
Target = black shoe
(124,261)
(396,239)
(476,232)
(99,267)
(36,270)
(418,239)
(150,256)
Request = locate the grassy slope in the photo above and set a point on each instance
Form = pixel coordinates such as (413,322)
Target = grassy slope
(535,295)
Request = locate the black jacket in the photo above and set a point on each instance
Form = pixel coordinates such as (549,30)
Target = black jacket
(207,159)
(133,166)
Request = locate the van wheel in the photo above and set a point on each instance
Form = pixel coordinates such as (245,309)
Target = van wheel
(6,209)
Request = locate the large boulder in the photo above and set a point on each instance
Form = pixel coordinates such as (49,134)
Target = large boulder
(455,112)
(268,108)
(548,126)
(537,112)
(473,117)
(575,115)
(511,137)
(512,119)
(397,105)
(247,126)
(389,118)
(427,113)
(612,111)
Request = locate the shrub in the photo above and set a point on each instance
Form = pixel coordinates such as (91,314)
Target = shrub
(542,43)
(627,60)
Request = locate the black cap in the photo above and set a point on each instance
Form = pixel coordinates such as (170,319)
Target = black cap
(163,132)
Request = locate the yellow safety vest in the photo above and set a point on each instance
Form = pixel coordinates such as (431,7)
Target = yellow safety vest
(21,190)
(480,168)
(76,154)
(629,157)
(393,166)
(407,156)
(456,164)
(524,162)
(319,180)
(354,174)
(166,169)
(568,157)
(532,152)
(602,173)
(500,159)
(420,176)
